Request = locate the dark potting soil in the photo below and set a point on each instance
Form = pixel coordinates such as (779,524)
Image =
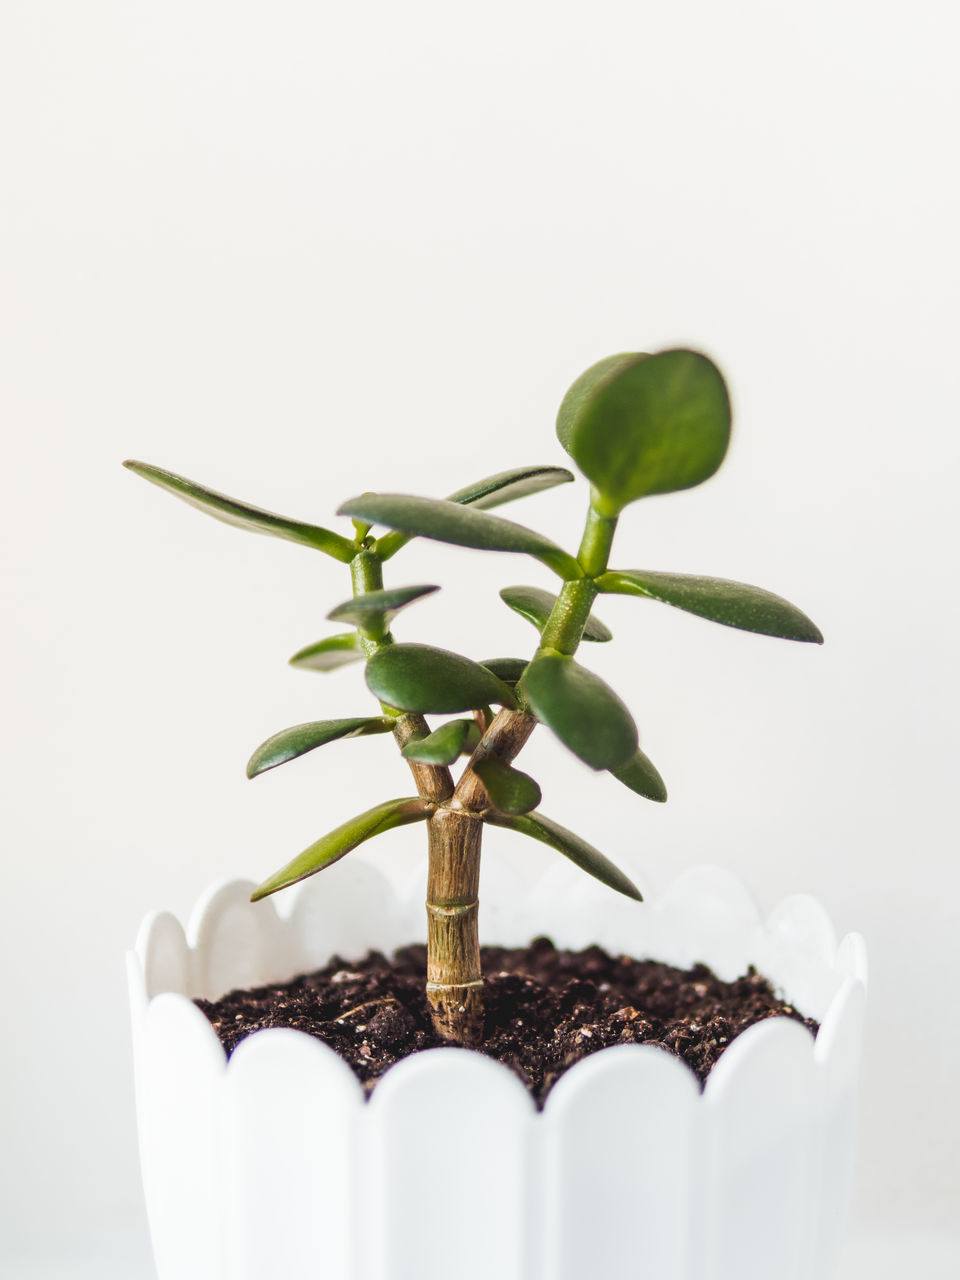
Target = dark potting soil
(544,1009)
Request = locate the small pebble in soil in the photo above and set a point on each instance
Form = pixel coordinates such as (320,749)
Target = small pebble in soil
(545,1009)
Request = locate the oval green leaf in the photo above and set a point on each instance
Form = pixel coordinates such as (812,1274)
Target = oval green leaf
(447,521)
(418,677)
(443,746)
(330,653)
(641,775)
(244,516)
(638,425)
(288,744)
(572,846)
(510,790)
(509,670)
(333,846)
(383,605)
(733,604)
(493,491)
(536,605)
(581,709)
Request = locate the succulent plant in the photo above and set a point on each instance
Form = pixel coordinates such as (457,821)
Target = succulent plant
(634,425)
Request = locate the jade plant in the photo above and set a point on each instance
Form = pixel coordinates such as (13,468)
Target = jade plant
(634,425)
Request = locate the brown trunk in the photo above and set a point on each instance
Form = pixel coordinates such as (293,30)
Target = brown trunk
(454,831)
(505,738)
(454,834)
(454,979)
(454,976)
(433,781)
(454,982)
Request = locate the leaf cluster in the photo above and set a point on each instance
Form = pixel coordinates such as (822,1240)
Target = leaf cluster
(634,425)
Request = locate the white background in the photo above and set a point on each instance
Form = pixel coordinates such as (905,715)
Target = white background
(300,250)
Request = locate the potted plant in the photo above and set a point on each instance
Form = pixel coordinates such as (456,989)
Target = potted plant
(277,1165)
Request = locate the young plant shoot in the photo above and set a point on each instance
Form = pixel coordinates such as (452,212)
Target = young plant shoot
(634,425)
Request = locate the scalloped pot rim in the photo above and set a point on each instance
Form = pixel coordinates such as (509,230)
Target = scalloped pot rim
(705,914)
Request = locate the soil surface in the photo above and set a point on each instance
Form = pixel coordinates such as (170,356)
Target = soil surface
(545,1009)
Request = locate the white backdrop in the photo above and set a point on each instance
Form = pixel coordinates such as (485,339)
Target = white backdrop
(300,250)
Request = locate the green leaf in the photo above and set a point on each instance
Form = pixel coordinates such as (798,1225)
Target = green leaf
(417,677)
(509,670)
(241,514)
(507,486)
(535,604)
(288,744)
(641,775)
(572,846)
(494,491)
(330,653)
(582,710)
(734,604)
(333,846)
(362,610)
(510,790)
(443,746)
(463,526)
(637,425)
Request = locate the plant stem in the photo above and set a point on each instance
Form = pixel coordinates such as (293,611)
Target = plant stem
(454,981)
(366,575)
(455,830)
(454,978)
(505,739)
(454,834)
(597,540)
(433,781)
(568,617)
(455,859)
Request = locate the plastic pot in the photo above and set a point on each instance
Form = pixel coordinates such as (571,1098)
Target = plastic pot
(275,1167)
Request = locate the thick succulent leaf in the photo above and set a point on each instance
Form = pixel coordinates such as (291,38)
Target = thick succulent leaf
(447,521)
(360,610)
(580,394)
(507,486)
(244,516)
(418,677)
(535,604)
(641,775)
(509,670)
(638,425)
(571,846)
(493,491)
(288,744)
(510,790)
(330,653)
(444,745)
(333,846)
(734,604)
(581,709)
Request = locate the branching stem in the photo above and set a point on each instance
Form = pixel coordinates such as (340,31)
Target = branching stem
(455,830)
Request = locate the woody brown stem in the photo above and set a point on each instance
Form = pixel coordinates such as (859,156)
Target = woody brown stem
(454,979)
(455,832)
(453,953)
(433,782)
(505,739)
(455,829)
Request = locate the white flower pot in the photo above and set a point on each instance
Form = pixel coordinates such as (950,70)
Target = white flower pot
(274,1167)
